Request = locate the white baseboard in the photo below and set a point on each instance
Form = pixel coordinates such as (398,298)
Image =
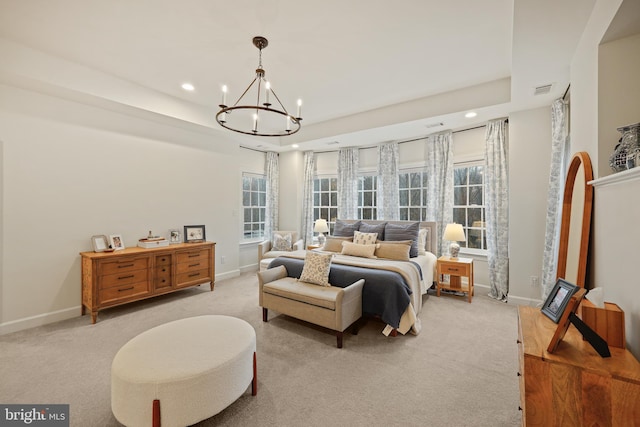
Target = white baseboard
(249,268)
(513,299)
(227,275)
(39,320)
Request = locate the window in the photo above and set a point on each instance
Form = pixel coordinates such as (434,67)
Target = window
(367,197)
(468,205)
(413,196)
(325,200)
(254,204)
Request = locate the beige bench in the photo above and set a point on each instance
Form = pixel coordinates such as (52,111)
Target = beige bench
(328,306)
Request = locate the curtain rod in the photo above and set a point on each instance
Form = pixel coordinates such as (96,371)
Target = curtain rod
(564,97)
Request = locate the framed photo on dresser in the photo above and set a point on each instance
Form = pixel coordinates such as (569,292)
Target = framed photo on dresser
(557,300)
(194,233)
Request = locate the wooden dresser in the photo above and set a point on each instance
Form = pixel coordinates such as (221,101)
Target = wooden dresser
(573,386)
(132,274)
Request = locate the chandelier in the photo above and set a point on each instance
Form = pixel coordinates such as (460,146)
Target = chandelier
(263,118)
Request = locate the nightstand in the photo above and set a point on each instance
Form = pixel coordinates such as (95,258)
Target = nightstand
(455,268)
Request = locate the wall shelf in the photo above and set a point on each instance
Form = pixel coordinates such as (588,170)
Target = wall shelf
(624,176)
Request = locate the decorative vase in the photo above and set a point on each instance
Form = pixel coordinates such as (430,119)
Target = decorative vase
(627,152)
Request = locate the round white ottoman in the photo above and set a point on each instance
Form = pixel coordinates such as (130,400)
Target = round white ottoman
(183,372)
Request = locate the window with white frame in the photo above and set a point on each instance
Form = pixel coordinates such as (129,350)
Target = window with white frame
(367,197)
(412,186)
(254,205)
(325,200)
(468,205)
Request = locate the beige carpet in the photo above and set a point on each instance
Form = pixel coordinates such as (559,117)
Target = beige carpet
(460,371)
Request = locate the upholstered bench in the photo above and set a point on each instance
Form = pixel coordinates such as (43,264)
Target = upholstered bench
(183,372)
(328,306)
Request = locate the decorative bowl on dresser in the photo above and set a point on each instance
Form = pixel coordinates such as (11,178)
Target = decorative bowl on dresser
(132,274)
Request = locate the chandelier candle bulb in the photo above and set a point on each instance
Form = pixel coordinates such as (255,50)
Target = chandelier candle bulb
(255,122)
(267,88)
(224,95)
(288,123)
(299,108)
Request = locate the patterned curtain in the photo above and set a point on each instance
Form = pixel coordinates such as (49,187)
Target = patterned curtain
(348,160)
(497,207)
(272,169)
(559,157)
(439,168)
(307,198)
(388,194)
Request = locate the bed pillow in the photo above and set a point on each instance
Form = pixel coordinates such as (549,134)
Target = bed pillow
(355,249)
(316,268)
(345,229)
(282,242)
(423,238)
(334,244)
(398,251)
(364,238)
(404,232)
(373,228)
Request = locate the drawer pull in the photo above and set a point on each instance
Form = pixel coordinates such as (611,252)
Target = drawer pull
(194,255)
(453,269)
(126,277)
(194,274)
(125,289)
(125,266)
(194,265)
(164,280)
(164,269)
(163,259)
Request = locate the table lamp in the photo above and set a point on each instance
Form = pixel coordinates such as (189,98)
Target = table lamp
(321,227)
(454,233)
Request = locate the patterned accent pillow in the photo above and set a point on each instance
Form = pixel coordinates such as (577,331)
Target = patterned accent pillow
(282,243)
(355,249)
(394,250)
(404,232)
(334,244)
(373,228)
(364,238)
(345,229)
(316,268)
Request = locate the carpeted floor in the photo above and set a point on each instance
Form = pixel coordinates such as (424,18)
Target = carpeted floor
(460,371)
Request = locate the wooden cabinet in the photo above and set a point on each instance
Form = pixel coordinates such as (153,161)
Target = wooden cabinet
(456,268)
(573,386)
(114,278)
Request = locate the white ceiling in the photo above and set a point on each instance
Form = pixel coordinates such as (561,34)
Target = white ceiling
(367,70)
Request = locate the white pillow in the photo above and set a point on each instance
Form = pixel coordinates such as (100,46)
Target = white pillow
(364,238)
(423,235)
(316,268)
(282,243)
(355,249)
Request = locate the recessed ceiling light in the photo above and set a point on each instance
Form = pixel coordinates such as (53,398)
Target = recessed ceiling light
(294,145)
(188,86)
(471,114)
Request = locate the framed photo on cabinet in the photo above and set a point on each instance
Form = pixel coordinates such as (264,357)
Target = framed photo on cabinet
(558,298)
(99,243)
(116,242)
(194,233)
(175,236)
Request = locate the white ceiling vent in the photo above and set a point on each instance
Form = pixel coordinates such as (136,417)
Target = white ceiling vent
(542,90)
(433,125)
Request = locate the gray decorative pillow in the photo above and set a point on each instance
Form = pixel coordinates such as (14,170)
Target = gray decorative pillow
(344,229)
(373,228)
(316,268)
(364,238)
(282,243)
(404,232)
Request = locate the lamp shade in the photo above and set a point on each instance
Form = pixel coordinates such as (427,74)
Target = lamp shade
(321,226)
(454,233)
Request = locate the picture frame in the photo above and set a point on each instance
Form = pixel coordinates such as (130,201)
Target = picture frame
(175,236)
(99,242)
(557,300)
(194,233)
(116,242)
(574,302)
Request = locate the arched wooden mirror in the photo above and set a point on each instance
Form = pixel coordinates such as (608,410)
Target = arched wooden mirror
(576,220)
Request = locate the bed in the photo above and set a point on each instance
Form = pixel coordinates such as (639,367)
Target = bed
(393,288)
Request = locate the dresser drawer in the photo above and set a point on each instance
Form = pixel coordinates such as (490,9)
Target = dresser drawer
(122,265)
(123,292)
(195,276)
(457,270)
(163,260)
(195,255)
(162,278)
(192,265)
(124,278)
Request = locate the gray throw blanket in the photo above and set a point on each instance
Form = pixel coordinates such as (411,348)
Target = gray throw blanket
(385,293)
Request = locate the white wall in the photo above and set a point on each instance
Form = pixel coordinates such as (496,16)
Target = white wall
(529,165)
(64,182)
